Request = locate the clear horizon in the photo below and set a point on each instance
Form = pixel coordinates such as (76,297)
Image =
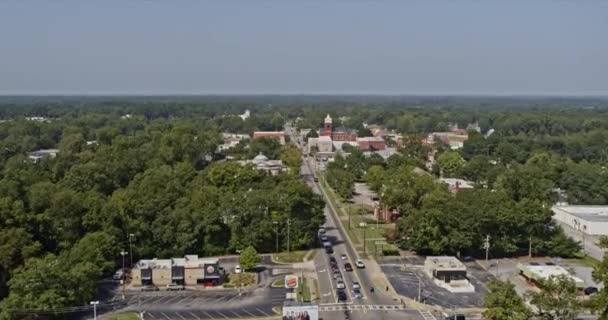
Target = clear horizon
(544,48)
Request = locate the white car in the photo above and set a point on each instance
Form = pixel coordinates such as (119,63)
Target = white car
(359,263)
(340,284)
(343,257)
(356,285)
(237,269)
(118,275)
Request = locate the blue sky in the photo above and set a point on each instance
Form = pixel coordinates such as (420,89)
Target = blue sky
(335,47)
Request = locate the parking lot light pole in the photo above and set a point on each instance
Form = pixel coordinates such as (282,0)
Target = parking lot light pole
(240,274)
(288,235)
(94,303)
(123,253)
(131,235)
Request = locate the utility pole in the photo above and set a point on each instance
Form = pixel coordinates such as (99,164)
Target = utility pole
(123,253)
(349,221)
(486,245)
(131,249)
(364,225)
(530,247)
(94,303)
(276,232)
(288,235)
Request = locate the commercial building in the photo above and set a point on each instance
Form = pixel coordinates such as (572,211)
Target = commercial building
(337,134)
(449,273)
(273,134)
(371,143)
(536,272)
(591,220)
(262,163)
(190,270)
(231,140)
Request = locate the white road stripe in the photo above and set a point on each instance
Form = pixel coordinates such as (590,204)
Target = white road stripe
(165,316)
(249,313)
(179,315)
(197,318)
(210,316)
(262,311)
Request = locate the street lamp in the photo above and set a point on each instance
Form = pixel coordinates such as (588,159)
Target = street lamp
(94,303)
(364,226)
(123,253)
(131,235)
(240,274)
(288,235)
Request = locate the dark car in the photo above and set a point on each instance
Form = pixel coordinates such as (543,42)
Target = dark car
(341,295)
(456,317)
(590,290)
(348,267)
(149,288)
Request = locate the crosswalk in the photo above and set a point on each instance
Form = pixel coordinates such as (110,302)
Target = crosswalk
(360,307)
(427,315)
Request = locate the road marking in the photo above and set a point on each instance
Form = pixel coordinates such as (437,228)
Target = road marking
(151,315)
(262,311)
(179,298)
(197,318)
(221,314)
(165,316)
(179,315)
(236,314)
(322,270)
(209,315)
(251,314)
(427,315)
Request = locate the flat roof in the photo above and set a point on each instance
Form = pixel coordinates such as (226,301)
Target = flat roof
(544,272)
(445,262)
(589,213)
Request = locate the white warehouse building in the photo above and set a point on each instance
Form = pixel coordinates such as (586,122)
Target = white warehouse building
(591,220)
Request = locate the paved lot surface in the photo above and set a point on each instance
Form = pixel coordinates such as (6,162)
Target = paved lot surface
(405,281)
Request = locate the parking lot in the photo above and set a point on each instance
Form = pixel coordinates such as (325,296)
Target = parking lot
(405,281)
(210,314)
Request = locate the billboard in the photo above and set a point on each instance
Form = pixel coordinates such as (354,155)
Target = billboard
(291,281)
(300,312)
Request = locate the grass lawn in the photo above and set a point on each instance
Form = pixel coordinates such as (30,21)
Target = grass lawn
(303,291)
(243,279)
(279,283)
(291,257)
(584,260)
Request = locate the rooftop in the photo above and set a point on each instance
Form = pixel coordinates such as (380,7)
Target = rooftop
(457,183)
(445,262)
(543,272)
(589,213)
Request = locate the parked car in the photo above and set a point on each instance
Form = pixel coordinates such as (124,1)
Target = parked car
(334,268)
(348,267)
(149,288)
(341,295)
(340,284)
(343,257)
(322,230)
(590,290)
(357,293)
(237,269)
(456,317)
(356,285)
(175,287)
(324,239)
(359,263)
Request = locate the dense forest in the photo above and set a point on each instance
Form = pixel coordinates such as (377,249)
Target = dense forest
(149,167)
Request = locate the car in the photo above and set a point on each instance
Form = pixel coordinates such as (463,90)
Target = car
(348,267)
(334,268)
(324,239)
(332,260)
(118,275)
(456,317)
(175,287)
(149,288)
(341,295)
(322,230)
(237,269)
(337,275)
(357,293)
(343,257)
(590,290)
(340,284)
(359,263)
(316,179)
(356,285)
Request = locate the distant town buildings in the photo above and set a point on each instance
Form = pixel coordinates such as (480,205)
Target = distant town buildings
(371,143)
(245,115)
(39,119)
(262,163)
(456,185)
(39,155)
(337,134)
(273,134)
(231,140)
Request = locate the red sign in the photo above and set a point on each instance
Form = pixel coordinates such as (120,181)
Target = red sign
(291,282)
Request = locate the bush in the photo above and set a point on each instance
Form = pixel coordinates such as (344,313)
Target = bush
(390,252)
